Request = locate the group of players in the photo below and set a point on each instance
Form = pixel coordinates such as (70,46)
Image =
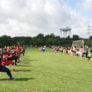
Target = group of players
(10,56)
(43,48)
(74,51)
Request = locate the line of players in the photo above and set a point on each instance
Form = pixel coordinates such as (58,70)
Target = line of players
(11,55)
(74,51)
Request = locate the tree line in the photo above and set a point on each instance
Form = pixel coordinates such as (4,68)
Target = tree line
(41,40)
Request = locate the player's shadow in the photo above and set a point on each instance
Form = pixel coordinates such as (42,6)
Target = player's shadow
(23,70)
(18,79)
(32,60)
(23,65)
(29,60)
(24,79)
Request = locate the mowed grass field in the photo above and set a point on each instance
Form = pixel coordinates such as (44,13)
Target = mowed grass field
(49,72)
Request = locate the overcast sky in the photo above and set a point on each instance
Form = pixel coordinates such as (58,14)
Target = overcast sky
(31,17)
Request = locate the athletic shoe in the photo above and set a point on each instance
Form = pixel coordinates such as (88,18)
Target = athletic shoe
(14,70)
(12,79)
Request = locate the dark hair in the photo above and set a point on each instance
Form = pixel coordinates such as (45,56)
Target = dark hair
(81,46)
(91,51)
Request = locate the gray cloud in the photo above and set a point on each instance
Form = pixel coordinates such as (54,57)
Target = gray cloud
(30,17)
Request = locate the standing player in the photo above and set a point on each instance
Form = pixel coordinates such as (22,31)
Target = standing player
(81,51)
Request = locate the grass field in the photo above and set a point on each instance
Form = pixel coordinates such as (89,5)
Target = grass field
(49,72)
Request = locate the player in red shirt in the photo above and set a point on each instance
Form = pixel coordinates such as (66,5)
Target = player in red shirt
(5,61)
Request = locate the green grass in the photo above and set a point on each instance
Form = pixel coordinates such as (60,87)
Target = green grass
(49,72)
